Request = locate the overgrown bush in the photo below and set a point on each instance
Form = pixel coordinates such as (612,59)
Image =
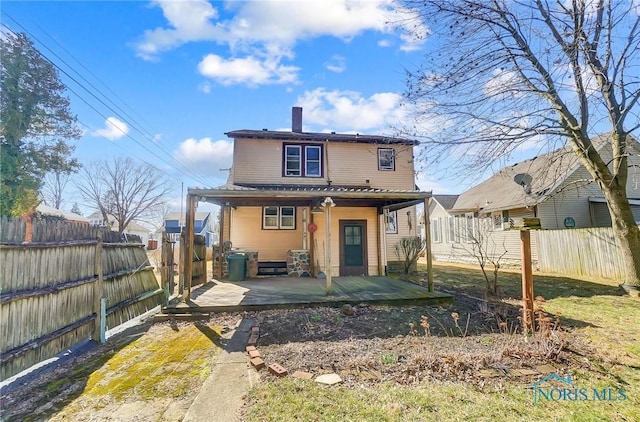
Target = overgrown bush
(407,250)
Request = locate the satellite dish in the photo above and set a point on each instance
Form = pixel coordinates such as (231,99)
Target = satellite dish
(523,179)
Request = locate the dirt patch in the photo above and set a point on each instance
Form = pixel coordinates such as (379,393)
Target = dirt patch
(472,340)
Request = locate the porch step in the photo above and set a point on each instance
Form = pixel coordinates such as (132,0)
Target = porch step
(272,268)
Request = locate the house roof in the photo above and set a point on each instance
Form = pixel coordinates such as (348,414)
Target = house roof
(134,226)
(319,137)
(47,210)
(501,191)
(309,195)
(181,216)
(446,201)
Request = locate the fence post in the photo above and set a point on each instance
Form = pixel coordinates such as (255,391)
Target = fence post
(165,270)
(98,293)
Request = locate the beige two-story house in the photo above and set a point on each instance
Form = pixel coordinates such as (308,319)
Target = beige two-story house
(308,204)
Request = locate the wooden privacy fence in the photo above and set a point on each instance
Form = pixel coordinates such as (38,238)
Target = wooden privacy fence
(199,259)
(586,252)
(68,284)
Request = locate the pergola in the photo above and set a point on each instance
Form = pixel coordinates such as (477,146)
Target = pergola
(325,197)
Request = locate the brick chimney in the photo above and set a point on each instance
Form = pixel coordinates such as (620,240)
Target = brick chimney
(296,119)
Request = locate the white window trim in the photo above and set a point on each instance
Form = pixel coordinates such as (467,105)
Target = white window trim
(279,217)
(392,167)
(451,229)
(286,160)
(392,222)
(303,163)
(436,231)
(306,160)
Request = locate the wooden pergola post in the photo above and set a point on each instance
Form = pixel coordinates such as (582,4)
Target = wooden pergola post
(221,232)
(328,204)
(427,241)
(188,245)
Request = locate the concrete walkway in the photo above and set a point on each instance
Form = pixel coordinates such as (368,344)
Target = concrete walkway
(222,395)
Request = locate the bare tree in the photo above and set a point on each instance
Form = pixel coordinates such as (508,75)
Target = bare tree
(124,189)
(547,73)
(408,250)
(53,188)
(481,244)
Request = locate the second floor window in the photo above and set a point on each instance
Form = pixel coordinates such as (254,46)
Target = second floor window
(302,160)
(386,159)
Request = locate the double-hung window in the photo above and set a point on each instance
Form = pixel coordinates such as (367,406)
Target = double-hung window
(274,218)
(302,160)
(436,230)
(293,160)
(386,159)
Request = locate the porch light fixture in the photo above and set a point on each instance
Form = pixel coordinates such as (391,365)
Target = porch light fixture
(316,210)
(328,202)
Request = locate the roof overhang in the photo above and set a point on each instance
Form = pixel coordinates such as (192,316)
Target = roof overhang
(319,137)
(598,200)
(234,195)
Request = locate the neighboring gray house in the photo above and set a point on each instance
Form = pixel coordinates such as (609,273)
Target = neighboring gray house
(553,187)
(133,228)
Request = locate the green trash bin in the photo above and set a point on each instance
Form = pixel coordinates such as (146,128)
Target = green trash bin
(237,267)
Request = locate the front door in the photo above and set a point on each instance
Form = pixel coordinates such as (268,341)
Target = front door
(353,247)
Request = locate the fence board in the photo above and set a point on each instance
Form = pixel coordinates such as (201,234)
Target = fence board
(586,252)
(47,287)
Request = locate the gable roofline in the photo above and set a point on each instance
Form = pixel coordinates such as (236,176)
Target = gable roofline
(549,171)
(319,137)
(446,201)
(180,216)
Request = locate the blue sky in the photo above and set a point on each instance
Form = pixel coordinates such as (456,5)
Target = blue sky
(163,81)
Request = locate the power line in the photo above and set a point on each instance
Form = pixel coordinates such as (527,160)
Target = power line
(127,120)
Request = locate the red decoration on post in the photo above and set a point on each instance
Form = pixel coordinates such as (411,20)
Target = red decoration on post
(312,227)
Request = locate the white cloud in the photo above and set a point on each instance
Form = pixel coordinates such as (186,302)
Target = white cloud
(204,155)
(349,110)
(188,21)
(205,87)
(114,129)
(503,83)
(282,23)
(248,70)
(337,64)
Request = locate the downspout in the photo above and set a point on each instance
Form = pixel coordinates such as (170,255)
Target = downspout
(380,232)
(304,228)
(326,161)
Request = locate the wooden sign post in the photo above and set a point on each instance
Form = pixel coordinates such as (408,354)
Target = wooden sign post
(527,282)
